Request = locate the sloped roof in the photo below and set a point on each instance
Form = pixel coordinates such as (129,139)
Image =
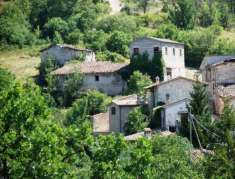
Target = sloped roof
(90,68)
(161,40)
(101,123)
(65,46)
(131,100)
(171,80)
(214,60)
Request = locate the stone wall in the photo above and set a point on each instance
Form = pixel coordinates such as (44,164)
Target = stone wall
(62,55)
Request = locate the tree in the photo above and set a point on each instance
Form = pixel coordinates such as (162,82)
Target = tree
(143,4)
(199,107)
(14,29)
(31,141)
(118,42)
(45,68)
(172,158)
(222,163)
(138,82)
(56,27)
(182,13)
(136,122)
(90,103)
(156,66)
(107,152)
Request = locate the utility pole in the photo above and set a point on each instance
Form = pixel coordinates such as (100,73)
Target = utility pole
(190,127)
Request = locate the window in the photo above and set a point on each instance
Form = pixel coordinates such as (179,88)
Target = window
(172,128)
(156,50)
(136,51)
(180,52)
(166,50)
(169,73)
(167,97)
(97,78)
(174,51)
(113,110)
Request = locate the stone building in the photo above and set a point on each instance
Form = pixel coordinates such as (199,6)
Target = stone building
(103,76)
(119,110)
(172,54)
(64,53)
(171,98)
(219,73)
(170,91)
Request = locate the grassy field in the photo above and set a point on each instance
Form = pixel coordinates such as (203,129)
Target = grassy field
(21,62)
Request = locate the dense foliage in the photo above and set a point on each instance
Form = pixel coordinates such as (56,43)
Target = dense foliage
(137,83)
(87,24)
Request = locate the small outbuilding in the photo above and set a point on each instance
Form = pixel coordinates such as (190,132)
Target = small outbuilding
(119,110)
(63,53)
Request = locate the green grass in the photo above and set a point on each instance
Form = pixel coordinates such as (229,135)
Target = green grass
(21,62)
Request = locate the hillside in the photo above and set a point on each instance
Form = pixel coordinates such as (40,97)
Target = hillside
(21,62)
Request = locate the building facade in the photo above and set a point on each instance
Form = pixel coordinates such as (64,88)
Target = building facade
(171,98)
(64,53)
(102,76)
(119,110)
(170,91)
(172,54)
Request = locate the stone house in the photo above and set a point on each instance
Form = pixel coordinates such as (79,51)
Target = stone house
(219,73)
(171,98)
(64,53)
(170,91)
(172,54)
(119,110)
(103,76)
(173,114)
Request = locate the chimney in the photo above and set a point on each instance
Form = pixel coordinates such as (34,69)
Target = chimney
(147,133)
(157,79)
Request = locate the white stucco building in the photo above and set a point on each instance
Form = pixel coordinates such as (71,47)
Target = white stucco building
(171,98)
(172,54)
(64,53)
(170,91)
(103,76)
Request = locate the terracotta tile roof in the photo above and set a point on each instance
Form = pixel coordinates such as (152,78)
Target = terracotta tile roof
(90,68)
(101,123)
(66,46)
(131,100)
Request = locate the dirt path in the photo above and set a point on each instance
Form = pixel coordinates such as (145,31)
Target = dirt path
(115,5)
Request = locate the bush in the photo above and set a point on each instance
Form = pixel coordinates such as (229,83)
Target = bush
(90,103)
(137,82)
(136,122)
(118,42)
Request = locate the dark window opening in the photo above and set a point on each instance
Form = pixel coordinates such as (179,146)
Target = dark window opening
(174,51)
(180,52)
(156,50)
(166,50)
(136,51)
(113,110)
(167,97)
(169,72)
(172,128)
(97,78)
